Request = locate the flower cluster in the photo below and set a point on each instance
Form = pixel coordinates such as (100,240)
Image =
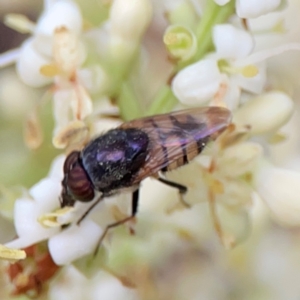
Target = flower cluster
(139,58)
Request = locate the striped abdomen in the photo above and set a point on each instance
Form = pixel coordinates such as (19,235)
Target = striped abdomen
(181,142)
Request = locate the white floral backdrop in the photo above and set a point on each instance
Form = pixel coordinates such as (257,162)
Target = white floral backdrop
(87,66)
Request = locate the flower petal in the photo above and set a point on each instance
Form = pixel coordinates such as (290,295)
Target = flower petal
(68,52)
(74,242)
(46,193)
(56,169)
(95,79)
(63,13)
(280,189)
(105,286)
(236,194)
(197,83)
(253,84)
(235,225)
(231,42)
(239,159)
(61,106)
(29,230)
(255,8)
(70,284)
(29,64)
(232,93)
(81,103)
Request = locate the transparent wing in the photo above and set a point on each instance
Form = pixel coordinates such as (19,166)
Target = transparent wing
(176,138)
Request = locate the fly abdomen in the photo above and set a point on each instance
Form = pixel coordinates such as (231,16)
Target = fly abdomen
(184,134)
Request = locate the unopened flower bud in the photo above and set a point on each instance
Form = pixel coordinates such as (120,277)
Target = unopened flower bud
(180,42)
(265,113)
(129,19)
(280,189)
(239,159)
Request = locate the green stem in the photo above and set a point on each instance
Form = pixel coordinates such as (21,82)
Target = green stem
(204,28)
(163,102)
(119,66)
(213,14)
(127,102)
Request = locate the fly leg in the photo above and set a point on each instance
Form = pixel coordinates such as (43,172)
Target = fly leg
(135,200)
(181,189)
(90,209)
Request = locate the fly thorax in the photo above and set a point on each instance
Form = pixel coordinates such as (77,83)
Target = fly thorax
(112,159)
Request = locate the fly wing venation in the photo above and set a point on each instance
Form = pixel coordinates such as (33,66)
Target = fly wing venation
(171,134)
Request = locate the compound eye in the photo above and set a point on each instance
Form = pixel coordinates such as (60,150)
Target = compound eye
(70,160)
(79,185)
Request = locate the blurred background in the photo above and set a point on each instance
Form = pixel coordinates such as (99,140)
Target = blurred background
(16,101)
(266,266)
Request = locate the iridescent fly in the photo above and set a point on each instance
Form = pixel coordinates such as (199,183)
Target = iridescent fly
(121,158)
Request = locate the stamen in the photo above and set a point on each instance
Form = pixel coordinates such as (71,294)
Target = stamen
(19,23)
(11,254)
(53,219)
(50,70)
(249,71)
(33,134)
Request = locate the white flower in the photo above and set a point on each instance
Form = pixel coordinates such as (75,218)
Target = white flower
(55,54)
(220,177)
(38,51)
(43,198)
(222,70)
(37,219)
